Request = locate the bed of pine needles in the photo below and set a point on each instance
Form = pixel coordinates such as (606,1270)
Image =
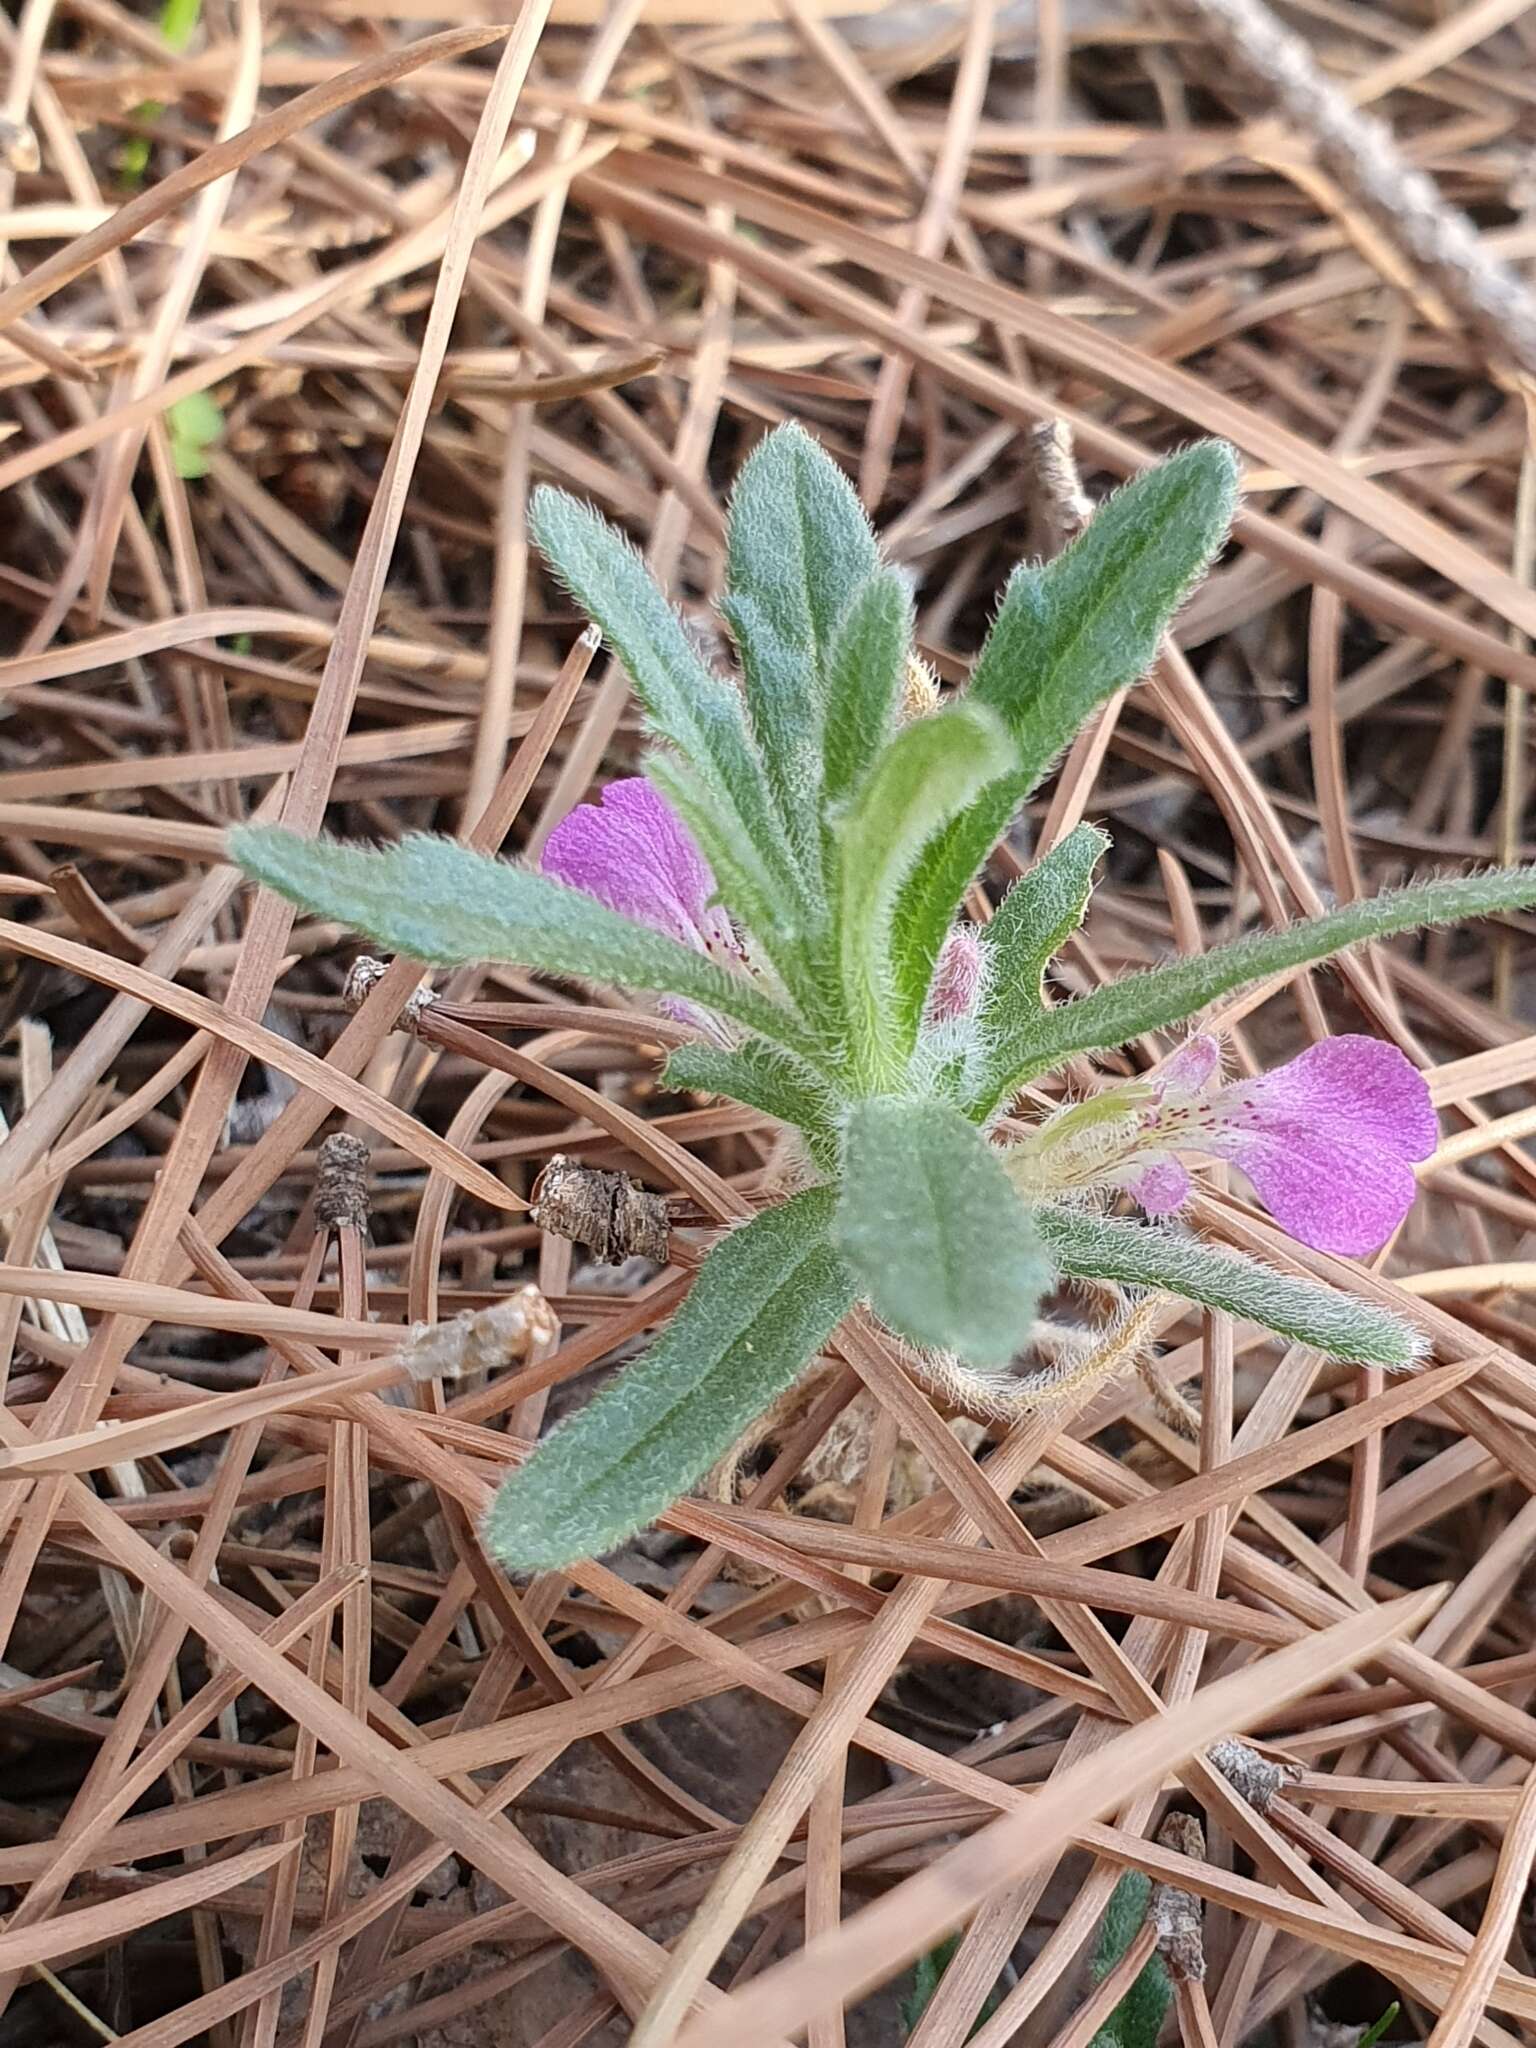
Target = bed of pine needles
(282,1758)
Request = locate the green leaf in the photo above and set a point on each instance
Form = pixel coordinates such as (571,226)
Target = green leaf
(1088,1247)
(178,21)
(195,423)
(766,1299)
(785,706)
(1162,996)
(924,776)
(743,884)
(764,1077)
(1071,632)
(1376,2031)
(700,713)
(935,1232)
(1138,2019)
(799,547)
(865,672)
(800,543)
(437,901)
(927,1974)
(1033,922)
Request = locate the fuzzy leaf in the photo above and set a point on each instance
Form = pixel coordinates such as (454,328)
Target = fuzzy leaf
(195,424)
(928,772)
(700,713)
(764,1077)
(933,1228)
(1072,631)
(784,703)
(766,1299)
(800,542)
(439,902)
(1138,2019)
(1124,1009)
(741,881)
(865,672)
(799,548)
(1069,633)
(1139,1255)
(1033,922)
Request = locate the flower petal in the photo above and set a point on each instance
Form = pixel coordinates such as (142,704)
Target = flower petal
(1351,1087)
(1189,1068)
(1340,1196)
(632,852)
(1328,1141)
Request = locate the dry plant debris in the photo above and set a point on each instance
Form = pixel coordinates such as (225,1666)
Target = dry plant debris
(299,304)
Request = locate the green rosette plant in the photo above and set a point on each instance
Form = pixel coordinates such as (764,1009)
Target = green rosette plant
(788,876)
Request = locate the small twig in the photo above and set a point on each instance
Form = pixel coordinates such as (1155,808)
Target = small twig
(1362,154)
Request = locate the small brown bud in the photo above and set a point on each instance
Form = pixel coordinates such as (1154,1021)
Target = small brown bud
(341,1183)
(609,1213)
(1176,1913)
(1251,1776)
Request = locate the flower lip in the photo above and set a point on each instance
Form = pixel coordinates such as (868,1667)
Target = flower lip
(634,853)
(1329,1140)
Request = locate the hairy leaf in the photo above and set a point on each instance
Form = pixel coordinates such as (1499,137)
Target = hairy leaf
(926,773)
(789,942)
(1137,2020)
(865,672)
(1069,633)
(1072,631)
(439,902)
(702,714)
(1034,920)
(935,1232)
(764,1077)
(1124,1009)
(1142,1255)
(766,1298)
(799,548)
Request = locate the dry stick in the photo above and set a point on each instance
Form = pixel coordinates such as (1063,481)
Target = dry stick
(874,1944)
(824,1822)
(1515,774)
(1360,152)
(108,501)
(238,1036)
(422,245)
(928,236)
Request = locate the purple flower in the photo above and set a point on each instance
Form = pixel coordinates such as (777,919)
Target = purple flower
(1328,1140)
(633,852)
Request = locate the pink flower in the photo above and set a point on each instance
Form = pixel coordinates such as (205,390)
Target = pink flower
(633,852)
(1328,1140)
(957,978)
